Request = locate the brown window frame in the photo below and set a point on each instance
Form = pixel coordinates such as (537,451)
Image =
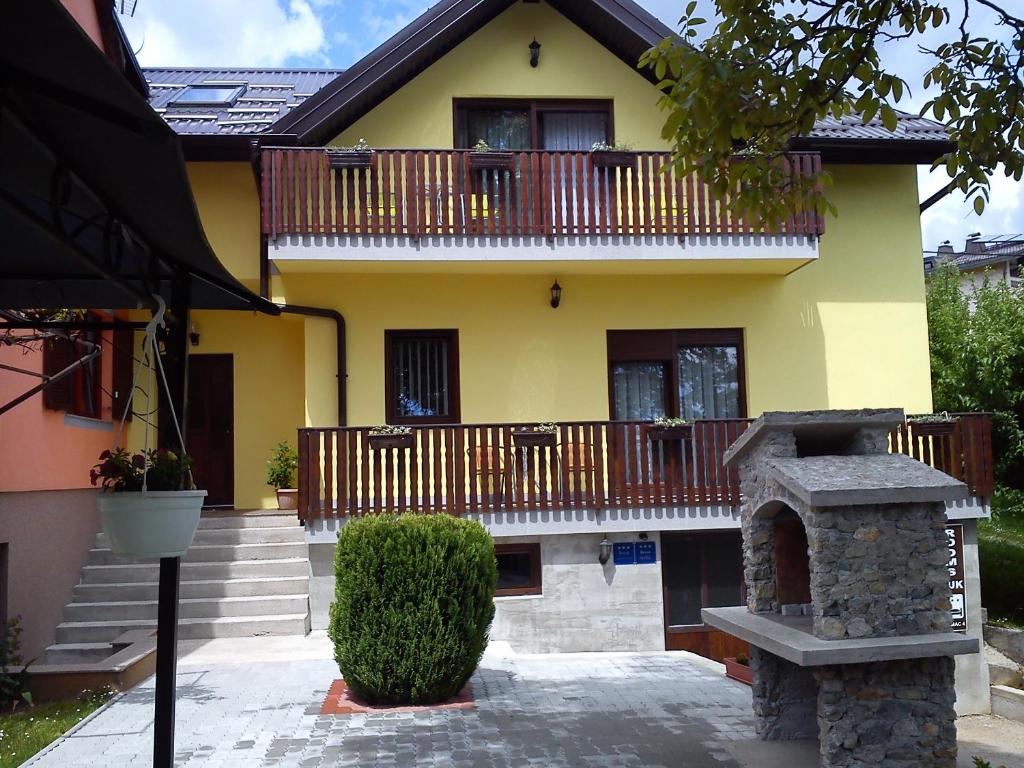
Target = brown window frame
(536,108)
(451,335)
(662,346)
(535,587)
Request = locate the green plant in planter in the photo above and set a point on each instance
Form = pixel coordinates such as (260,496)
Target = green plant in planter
(413,606)
(281,466)
(675,421)
(164,470)
(13,681)
(547,427)
(482,146)
(390,429)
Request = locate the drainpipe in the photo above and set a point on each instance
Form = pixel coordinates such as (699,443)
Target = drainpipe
(937,196)
(339,321)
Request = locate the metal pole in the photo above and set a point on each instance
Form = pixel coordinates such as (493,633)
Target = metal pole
(175,361)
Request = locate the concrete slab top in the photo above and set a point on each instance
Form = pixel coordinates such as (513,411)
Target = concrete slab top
(819,423)
(833,481)
(789,638)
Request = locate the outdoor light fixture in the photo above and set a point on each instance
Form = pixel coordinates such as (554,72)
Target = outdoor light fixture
(193,336)
(534,53)
(606,551)
(556,295)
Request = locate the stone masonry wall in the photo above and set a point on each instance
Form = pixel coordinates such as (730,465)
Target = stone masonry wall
(891,714)
(785,698)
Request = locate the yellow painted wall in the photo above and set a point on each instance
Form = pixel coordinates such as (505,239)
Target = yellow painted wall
(846,331)
(268,389)
(228,202)
(495,62)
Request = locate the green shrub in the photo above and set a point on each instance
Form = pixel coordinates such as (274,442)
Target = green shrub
(1002,562)
(281,466)
(413,605)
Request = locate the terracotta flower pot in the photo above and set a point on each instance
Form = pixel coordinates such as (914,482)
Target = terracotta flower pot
(739,672)
(287,498)
(150,524)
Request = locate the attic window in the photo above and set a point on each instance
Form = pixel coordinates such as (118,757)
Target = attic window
(208,95)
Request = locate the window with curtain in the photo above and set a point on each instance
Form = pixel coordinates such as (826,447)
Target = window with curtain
(499,128)
(709,382)
(573,131)
(638,391)
(422,377)
(515,124)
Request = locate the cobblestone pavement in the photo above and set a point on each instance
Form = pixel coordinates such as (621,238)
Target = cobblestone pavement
(595,710)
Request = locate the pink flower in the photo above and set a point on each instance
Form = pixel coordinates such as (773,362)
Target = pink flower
(139,461)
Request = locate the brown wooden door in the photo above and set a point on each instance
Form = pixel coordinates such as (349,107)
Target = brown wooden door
(210,431)
(700,570)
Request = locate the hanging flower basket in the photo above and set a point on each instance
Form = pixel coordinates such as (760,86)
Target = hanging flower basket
(150,523)
(932,427)
(657,432)
(387,442)
(530,438)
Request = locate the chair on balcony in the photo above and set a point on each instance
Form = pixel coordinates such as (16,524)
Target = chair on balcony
(577,459)
(492,476)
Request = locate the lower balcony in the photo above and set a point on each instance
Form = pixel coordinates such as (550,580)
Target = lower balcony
(587,466)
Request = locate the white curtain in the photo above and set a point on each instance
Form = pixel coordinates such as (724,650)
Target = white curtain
(708,383)
(639,390)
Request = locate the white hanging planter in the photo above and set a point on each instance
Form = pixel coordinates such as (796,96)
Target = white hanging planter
(150,523)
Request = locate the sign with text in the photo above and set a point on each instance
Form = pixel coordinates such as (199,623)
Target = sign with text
(957,581)
(646,553)
(624,553)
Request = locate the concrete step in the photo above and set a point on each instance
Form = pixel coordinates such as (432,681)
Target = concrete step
(1008,702)
(213,553)
(188,629)
(281,520)
(75,653)
(106,593)
(202,608)
(269,535)
(134,573)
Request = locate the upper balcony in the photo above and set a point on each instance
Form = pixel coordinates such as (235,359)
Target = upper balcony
(322,209)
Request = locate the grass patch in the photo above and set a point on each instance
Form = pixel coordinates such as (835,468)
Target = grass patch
(29,729)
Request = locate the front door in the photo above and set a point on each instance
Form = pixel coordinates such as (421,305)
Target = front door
(701,570)
(209,432)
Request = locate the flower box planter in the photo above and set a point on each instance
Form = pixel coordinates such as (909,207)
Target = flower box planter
(489,161)
(350,159)
(528,438)
(739,672)
(612,159)
(287,498)
(676,432)
(151,523)
(387,442)
(922,428)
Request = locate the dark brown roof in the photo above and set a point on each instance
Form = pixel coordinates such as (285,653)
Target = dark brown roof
(978,254)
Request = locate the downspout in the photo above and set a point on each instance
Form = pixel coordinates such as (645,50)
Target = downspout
(937,196)
(339,321)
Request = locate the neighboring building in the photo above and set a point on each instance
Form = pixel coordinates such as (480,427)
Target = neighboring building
(469,295)
(998,259)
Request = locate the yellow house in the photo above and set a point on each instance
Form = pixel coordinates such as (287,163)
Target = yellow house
(472,235)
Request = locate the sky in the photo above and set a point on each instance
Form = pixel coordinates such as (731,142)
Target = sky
(336,33)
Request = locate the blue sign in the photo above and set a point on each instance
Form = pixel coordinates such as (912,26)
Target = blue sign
(624,553)
(646,552)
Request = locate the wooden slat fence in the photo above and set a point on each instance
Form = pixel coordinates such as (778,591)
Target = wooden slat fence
(423,193)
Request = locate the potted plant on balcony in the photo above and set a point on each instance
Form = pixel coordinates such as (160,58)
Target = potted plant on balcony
(544,435)
(932,424)
(389,436)
(738,668)
(604,155)
(359,155)
(281,466)
(148,505)
(483,157)
(670,429)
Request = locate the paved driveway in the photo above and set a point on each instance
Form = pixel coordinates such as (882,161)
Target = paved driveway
(250,703)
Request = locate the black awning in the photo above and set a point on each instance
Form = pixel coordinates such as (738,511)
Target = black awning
(96,210)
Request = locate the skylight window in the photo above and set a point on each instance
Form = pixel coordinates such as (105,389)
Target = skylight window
(208,95)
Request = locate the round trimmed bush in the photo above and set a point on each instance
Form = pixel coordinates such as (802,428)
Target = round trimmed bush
(414,599)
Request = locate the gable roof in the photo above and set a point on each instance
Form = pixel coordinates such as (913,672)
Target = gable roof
(268,95)
(621,26)
(978,254)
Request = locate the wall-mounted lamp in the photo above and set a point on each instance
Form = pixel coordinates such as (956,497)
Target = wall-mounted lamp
(193,336)
(643,536)
(534,53)
(556,295)
(605,548)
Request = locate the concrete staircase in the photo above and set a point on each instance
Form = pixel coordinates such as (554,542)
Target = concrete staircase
(245,575)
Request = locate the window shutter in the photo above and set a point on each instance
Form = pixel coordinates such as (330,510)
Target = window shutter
(124,370)
(58,354)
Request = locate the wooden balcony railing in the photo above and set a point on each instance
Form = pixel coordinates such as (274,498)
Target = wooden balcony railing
(460,193)
(480,468)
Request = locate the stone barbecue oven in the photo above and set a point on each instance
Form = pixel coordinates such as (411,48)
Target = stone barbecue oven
(848,613)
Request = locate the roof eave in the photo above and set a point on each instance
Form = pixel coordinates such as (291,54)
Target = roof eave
(893,151)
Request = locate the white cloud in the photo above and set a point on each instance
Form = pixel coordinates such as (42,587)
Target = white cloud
(953,219)
(251,33)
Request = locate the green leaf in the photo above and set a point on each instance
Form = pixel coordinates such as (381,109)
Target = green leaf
(979,205)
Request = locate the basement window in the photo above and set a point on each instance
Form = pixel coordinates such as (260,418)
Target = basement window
(208,95)
(518,569)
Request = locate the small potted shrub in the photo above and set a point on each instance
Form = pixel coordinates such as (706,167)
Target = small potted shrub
(932,425)
(359,155)
(543,435)
(604,155)
(388,436)
(414,600)
(148,504)
(281,466)
(738,668)
(670,429)
(483,157)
